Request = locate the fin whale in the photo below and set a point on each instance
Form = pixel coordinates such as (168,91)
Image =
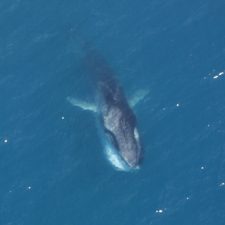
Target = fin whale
(116,117)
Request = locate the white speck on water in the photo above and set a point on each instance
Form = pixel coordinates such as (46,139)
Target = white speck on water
(160,211)
(178,105)
(5,141)
(29,188)
(62,117)
(208,125)
(218,75)
(202,167)
(187,198)
(222,184)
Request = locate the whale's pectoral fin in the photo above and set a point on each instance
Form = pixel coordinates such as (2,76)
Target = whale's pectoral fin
(82,104)
(138,96)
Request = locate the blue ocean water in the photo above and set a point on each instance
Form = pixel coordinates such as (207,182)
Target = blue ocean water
(52,167)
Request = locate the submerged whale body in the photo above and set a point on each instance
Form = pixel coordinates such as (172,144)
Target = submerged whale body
(116,118)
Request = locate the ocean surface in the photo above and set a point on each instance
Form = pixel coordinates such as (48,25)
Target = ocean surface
(52,167)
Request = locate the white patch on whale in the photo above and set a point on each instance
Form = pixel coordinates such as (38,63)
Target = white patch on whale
(136,135)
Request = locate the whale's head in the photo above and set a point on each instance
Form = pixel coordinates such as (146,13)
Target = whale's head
(123,135)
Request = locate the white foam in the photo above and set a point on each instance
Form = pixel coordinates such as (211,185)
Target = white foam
(160,211)
(218,75)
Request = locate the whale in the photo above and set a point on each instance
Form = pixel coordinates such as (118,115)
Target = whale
(115,115)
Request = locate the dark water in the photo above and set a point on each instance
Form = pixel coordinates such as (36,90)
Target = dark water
(52,167)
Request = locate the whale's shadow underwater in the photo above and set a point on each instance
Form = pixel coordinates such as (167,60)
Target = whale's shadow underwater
(116,119)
